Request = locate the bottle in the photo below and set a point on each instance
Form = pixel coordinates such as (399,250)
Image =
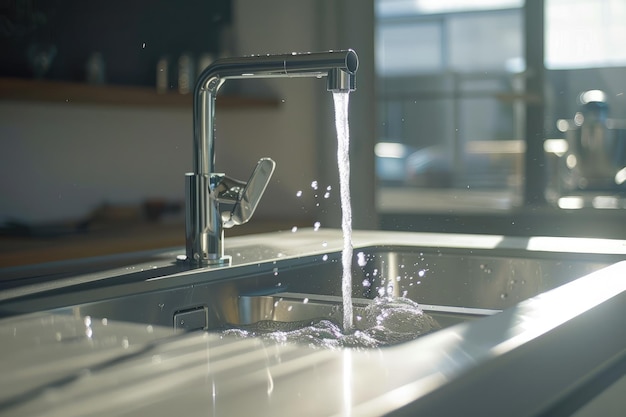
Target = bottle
(186,75)
(95,69)
(204,61)
(162,75)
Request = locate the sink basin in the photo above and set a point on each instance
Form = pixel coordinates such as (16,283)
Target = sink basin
(453,278)
(506,311)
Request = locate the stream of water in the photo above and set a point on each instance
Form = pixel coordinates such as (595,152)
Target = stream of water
(343,161)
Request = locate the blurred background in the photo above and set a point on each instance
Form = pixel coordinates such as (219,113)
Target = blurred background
(492,116)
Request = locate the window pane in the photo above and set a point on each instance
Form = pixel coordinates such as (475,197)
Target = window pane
(404,7)
(484,42)
(408,48)
(585,33)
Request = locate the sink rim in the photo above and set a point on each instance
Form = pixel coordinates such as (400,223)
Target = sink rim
(289,246)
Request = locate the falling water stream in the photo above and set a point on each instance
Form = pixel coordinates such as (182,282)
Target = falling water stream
(343,161)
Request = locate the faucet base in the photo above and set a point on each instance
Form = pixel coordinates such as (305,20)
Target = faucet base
(225,260)
(204,232)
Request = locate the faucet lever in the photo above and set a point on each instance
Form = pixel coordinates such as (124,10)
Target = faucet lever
(245,196)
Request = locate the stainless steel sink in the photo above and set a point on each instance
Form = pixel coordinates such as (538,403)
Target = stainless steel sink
(453,278)
(401,319)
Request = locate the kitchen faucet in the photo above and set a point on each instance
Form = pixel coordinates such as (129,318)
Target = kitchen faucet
(205,190)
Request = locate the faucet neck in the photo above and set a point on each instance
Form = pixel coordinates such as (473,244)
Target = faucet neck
(338,66)
(204,226)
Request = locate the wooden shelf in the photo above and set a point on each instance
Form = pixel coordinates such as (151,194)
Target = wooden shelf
(68,92)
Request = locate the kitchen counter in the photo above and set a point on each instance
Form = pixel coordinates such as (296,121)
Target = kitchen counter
(530,359)
(59,365)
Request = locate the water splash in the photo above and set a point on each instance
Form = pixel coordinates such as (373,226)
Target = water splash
(341,100)
(385,321)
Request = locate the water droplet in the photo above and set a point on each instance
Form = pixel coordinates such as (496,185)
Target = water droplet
(316,226)
(324,243)
(294,229)
(314,185)
(149,328)
(275,270)
(421,273)
(126,344)
(105,321)
(367,283)
(329,188)
(390,289)
(324,257)
(87,321)
(326,195)
(360,259)
(306,300)
(289,308)
(299,193)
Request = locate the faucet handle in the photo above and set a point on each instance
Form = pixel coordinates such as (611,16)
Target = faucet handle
(245,196)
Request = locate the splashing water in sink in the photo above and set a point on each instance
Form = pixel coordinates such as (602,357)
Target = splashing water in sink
(343,161)
(385,321)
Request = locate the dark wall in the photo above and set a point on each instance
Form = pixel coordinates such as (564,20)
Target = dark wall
(130,35)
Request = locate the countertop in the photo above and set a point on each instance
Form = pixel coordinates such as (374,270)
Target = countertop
(59,365)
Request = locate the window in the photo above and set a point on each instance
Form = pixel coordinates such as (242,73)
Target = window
(585,33)
(407,48)
(447,71)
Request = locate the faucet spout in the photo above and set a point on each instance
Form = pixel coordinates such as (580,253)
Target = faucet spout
(340,80)
(204,228)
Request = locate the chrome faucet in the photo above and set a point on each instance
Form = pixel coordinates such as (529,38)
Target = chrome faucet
(206,190)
